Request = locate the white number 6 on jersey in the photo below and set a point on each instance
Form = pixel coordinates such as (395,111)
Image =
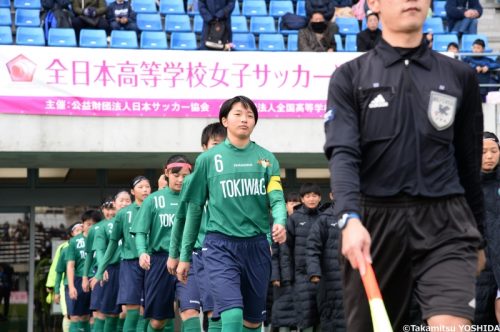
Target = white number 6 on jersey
(219,166)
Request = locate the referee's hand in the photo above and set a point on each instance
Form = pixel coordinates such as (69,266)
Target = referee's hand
(279,233)
(182,272)
(356,242)
(172,265)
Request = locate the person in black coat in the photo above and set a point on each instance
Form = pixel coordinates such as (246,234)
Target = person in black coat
(323,267)
(214,11)
(298,228)
(368,38)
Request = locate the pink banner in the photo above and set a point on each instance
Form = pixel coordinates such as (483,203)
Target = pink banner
(135,107)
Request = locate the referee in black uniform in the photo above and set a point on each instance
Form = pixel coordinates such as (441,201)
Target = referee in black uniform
(404,142)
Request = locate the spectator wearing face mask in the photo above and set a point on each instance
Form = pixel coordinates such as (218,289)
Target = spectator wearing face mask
(317,36)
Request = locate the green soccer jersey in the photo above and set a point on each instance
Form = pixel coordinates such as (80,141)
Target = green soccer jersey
(89,244)
(155,220)
(203,228)
(61,269)
(76,252)
(101,240)
(121,230)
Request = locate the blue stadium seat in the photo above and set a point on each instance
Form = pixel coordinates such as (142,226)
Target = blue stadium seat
(32,36)
(239,24)
(168,7)
(254,8)
(192,8)
(440,42)
(144,6)
(149,22)
(123,39)
(27,4)
(183,41)
(5,18)
(350,43)
(338,41)
(244,42)
(262,24)
(279,8)
(4,3)
(93,38)
(439,9)
(347,25)
(301,8)
(177,23)
(5,36)
(154,40)
(61,37)
(236,10)
(271,42)
(467,41)
(293,42)
(434,25)
(198,23)
(27,18)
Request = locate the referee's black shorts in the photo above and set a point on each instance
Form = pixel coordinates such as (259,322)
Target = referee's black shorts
(421,246)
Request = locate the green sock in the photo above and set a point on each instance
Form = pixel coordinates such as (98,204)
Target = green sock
(119,326)
(130,324)
(232,320)
(169,326)
(248,329)
(84,326)
(140,324)
(152,329)
(110,324)
(98,325)
(146,324)
(73,326)
(214,325)
(191,325)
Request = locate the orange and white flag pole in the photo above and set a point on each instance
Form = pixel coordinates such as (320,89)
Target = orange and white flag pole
(380,319)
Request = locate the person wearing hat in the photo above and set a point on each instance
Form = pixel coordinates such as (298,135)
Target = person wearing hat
(241,182)
(368,38)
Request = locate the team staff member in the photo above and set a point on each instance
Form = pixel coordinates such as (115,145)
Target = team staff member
(403,139)
(197,281)
(131,274)
(241,182)
(110,289)
(152,228)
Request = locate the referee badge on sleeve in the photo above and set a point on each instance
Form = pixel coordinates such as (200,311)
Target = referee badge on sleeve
(441,110)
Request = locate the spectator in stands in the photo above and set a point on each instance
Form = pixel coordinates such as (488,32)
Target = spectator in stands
(89,14)
(121,16)
(6,273)
(368,38)
(483,66)
(318,35)
(61,10)
(462,16)
(343,8)
(453,47)
(213,12)
(429,36)
(325,7)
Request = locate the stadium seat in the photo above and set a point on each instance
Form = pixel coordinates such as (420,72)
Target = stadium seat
(434,25)
(183,41)
(439,9)
(149,22)
(4,3)
(5,36)
(239,24)
(271,42)
(347,25)
(27,18)
(32,36)
(144,6)
(467,41)
(293,42)
(236,10)
(61,37)
(301,8)
(5,17)
(244,42)
(440,42)
(93,38)
(27,4)
(192,8)
(123,39)
(262,24)
(254,8)
(177,23)
(278,8)
(338,41)
(154,40)
(198,23)
(350,43)
(168,7)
